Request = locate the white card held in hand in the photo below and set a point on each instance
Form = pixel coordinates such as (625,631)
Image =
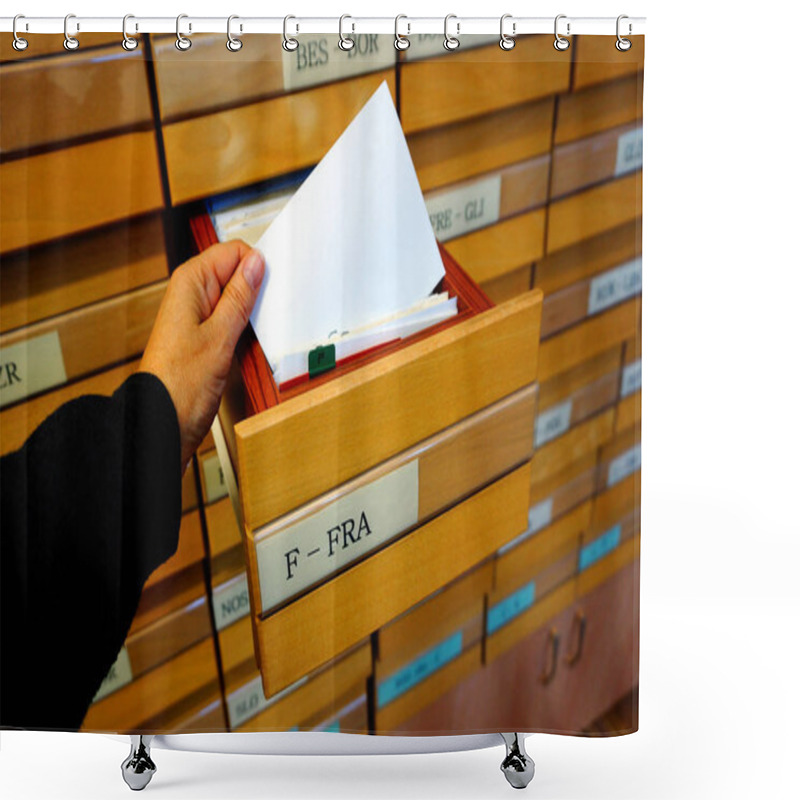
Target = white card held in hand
(352,247)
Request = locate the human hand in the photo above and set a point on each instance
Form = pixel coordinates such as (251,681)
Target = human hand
(204,311)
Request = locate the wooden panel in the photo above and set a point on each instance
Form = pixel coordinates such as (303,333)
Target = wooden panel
(78,188)
(210,719)
(619,504)
(594,211)
(188,490)
(466,149)
(495,251)
(146,704)
(19,421)
(165,596)
(598,60)
(56,99)
(572,446)
(465,84)
(599,108)
(213,153)
(223,530)
(599,573)
(45,44)
(237,651)
(326,621)
(586,162)
(566,383)
(569,487)
(507,286)
(602,332)
(49,280)
(629,412)
(412,390)
(588,257)
(102,334)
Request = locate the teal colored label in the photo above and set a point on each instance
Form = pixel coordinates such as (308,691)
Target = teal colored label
(511,607)
(600,547)
(419,669)
(334,727)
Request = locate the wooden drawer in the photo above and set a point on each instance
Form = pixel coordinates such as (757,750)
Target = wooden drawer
(629,408)
(607,566)
(594,211)
(237,652)
(581,342)
(303,635)
(481,144)
(465,84)
(599,158)
(588,258)
(576,444)
(52,279)
(598,108)
(510,285)
(351,718)
(226,547)
(563,491)
(501,249)
(209,76)
(618,505)
(212,154)
(597,60)
(119,178)
(620,457)
(452,608)
(210,719)
(69,346)
(43,101)
(185,683)
(46,44)
(319,694)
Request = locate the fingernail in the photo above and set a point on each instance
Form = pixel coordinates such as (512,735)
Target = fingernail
(253,268)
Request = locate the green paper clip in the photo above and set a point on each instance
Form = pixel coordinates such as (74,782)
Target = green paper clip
(321,359)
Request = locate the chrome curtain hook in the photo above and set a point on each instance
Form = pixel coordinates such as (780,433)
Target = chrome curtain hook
(233,44)
(70,42)
(560,42)
(451,42)
(623,45)
(289,44)
(507,42)
(18,44)
(401,42)
(345,42)
(181,42)
(128,43)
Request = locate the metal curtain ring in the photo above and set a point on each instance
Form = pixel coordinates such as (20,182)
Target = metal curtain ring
(233,44)
(560,42)
(401,42)
(18,43)
(289,44)
(507,42)
(70,42)
(345,42)
(623,45)
(181,42)
(128,43)
(451,42)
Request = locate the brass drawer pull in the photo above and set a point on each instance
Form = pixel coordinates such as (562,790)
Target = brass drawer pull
(553,642)
(575,656)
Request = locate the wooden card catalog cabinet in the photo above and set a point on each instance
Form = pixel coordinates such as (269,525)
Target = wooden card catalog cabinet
(370,487)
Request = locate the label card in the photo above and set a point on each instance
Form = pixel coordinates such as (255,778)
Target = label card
(539,516)
(309,550)
(553,422)
(631,378)
(624,465)
(249,700)
(599,548)
(465,209)
(118,676)
(231,602)
(629,152)
(511,607)
(419,669)
(318,59)
(31,366)
(614,286)
(214,478)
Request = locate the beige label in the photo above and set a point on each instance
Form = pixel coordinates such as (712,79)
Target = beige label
(118,676)
(310,550)
(213,478)
(249,700)
(30,366)
(231,601)
(629,152)
(465,209)
(318,59)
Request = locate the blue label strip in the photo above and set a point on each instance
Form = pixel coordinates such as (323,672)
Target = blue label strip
(419,669)
(334,727)
(599,548)
(511,607)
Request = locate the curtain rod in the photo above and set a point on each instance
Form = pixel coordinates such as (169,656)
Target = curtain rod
(459,26)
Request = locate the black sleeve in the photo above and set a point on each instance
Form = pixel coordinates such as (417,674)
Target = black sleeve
(89,507)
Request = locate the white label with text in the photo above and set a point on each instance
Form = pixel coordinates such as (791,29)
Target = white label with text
(553,422)
(624,465)
(465,209)
(631,378)
(614,286)
(629,152)
(30,366)
(231,601)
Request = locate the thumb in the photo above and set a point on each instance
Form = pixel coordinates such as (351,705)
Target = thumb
(232,311)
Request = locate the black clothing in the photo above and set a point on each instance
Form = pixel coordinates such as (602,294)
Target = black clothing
(90,505)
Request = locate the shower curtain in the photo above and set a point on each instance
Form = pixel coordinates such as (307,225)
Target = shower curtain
(433,530)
